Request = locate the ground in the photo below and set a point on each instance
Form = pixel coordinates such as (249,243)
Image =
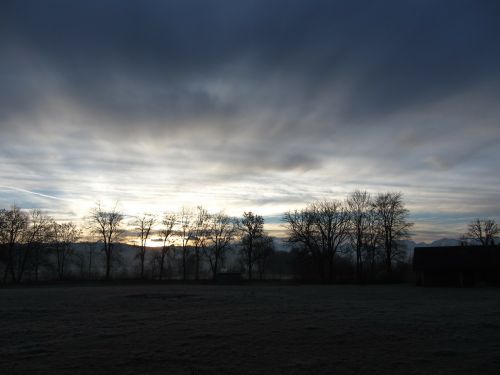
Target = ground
(249,329)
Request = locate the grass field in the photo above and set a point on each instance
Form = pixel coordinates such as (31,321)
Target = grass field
(249,329)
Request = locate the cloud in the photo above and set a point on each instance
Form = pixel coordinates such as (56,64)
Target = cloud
(251,102)
(153,61)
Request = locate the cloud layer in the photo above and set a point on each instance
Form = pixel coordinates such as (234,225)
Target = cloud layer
(251,104)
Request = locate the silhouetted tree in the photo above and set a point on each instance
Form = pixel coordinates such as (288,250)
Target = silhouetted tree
(14,223)
(251,228)
(359,206)
(331,220)
(264,249)
(186,234)
(483,231)
(63,237)
(107,225)
(301,231)
(372,242)
(35,240)
(322,227)
(200,232)
(221,231)
(91,246)
(392,220)
(143,226)
(167,231)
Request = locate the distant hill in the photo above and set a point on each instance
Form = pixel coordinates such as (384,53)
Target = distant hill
(440,242)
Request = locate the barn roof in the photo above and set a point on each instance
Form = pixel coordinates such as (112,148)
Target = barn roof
(456,258)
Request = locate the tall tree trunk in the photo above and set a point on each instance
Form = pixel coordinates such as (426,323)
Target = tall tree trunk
(372,265)
(143,253)
(37,262)
(216,265)
(22,265)
(197,265)
(359,266)
(162,265)
(321,267)
(388,264)
(388,256)
(108,263)
(90,264)
(250,265)
(184,255)
(331,269)
(11,264)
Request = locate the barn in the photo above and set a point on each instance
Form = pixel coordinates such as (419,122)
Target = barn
(461,266)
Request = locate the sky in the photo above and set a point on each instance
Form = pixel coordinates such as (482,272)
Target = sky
(251,105)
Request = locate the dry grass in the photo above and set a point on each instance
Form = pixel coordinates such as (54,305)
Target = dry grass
(203,329)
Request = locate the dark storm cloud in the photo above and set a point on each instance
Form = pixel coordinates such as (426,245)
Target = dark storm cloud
(144,60)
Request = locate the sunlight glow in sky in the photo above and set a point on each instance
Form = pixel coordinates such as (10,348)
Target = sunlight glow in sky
(251,105)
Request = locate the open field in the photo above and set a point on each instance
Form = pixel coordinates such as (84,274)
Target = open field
(249,329)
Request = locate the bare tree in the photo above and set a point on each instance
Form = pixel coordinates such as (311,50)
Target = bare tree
(483,231)
(168,228)
(186,234)
(331,220)
(359,206)
(91,249)
(22,235)
(392,219)
(64,236)
(301,231)
(322,227)
(143,226)
(221,231)
(200,232)
(106,225)
(14,223)
(37,238)
(91,246)
(372,241)
(251,229)
(264,249)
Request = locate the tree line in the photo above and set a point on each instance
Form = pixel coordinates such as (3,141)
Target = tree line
(361,236)
(372,227)
(30,240)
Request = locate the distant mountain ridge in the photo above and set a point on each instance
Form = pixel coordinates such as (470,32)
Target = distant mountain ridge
(436,243)
(410,245)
